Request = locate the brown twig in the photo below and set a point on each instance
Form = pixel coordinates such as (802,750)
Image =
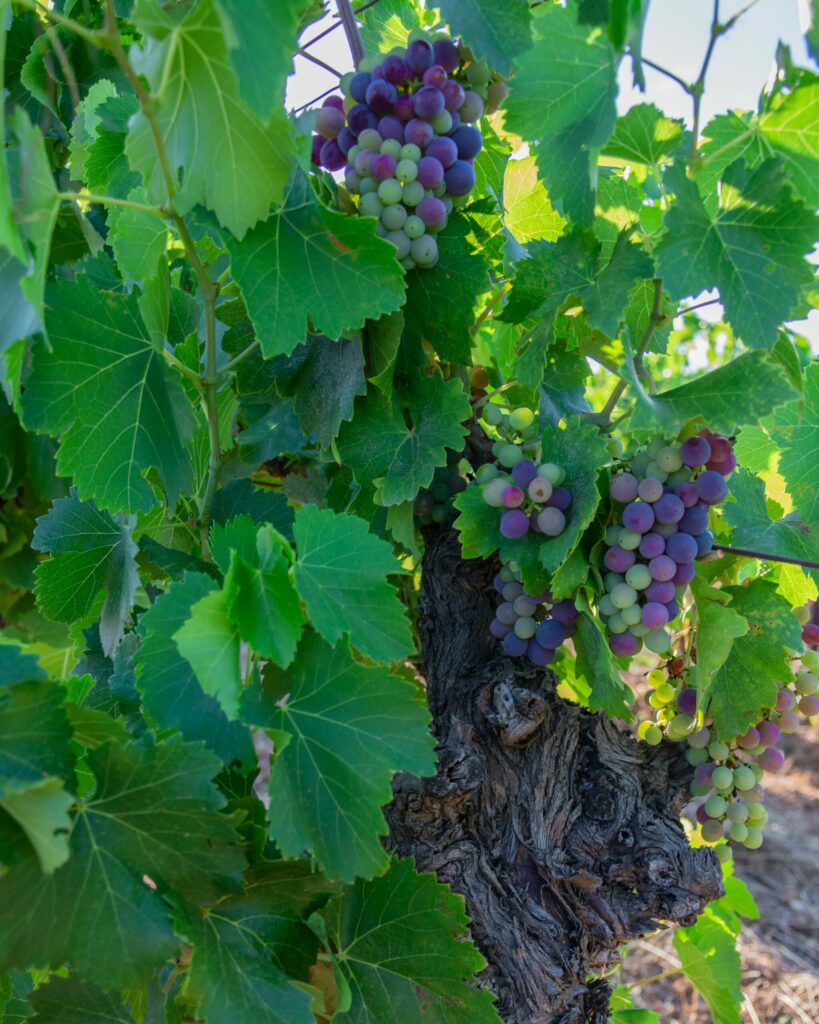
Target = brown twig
(766,556)
(351,30)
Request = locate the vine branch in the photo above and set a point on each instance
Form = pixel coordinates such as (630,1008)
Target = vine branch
(766,556)
(127,204)
(302,52)
(354,40)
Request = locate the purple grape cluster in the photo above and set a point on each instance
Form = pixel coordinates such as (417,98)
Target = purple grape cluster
(527,625)
(662,504)
(406,139)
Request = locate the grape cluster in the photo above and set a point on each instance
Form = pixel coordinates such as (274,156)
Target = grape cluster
(527,625)
(663,506)
(406,139)
(531,495)
(433,504)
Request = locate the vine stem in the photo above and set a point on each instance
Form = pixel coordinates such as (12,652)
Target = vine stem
(240,357)
(317,61)
(128,204)
(655,977)
(354,40)
(89,35)
(698,88)
(766,556)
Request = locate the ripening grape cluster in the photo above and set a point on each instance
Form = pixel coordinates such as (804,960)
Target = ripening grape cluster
(527,625)
(663,507)
(405,136)
(433,504)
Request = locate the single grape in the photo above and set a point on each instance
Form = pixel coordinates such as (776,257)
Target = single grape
(424,251)
(459,178)
(668,509)
(514,524)
(401,242)
(428,102)
(505,614)
(631,616)
(391,130)
(358,85)
(403,107)
(722,778)
(389,191)
(611,579)
(669,459)
(512,497)
(472,107)
(705,541)
(711,487)
(654,615)
(657,640)
(435,75)
(381,96)
(624,645)
(565,612)
(716,806)
(512,591)
(525,627)
(469,142)
(681,547)
(696,755)
(524,605)
(629,540)
(788,721)
(806,683)
(443,150)
(493,492)
(768,732)
(638,577)
(754,838)
(744,779)
(638,516)
(540,490)
(606,606)
(420,56)
(623,487)
(550,634)
(414,227)
(771,760)
(695,451)
(720,449)
(446,54)
(560,499)
(539,655)
(395,69)
(383,167)
(453,95)
(432,212)
(554,474)
(329,122)
(524,472)
(653,472)
(419,133)
(513,645)
(394,217)
(809,706)
(695,520)
(687,493)
(650,489)
(718,750)
(618,560)
(623,596)
(651,545)
(551,521)
(510,455)
(498,629)
(700,739)
(810,635)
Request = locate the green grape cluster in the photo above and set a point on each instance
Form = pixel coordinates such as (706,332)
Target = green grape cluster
(434,504)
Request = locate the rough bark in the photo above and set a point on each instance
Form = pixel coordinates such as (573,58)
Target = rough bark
(558,828)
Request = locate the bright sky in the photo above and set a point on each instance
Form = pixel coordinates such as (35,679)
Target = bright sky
(676,35)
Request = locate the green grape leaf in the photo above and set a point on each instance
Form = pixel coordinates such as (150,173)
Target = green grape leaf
(639,316)
(325,388)
(635,1015)
(811,24)
(263,605)
(18,665)
(709,959)
(309,261)
(240,497)
(726,138)
(748,679)
(109,394)
(718,626)
(596,664)
(562,100)
(496,31)
(396,443)
(172,697)
(644,135)
(200,114)
(107,170)
(754,528)
(40,810)
(209,641)
(383,342)
(737,394)
(340,574)
(72,1001)
(261,38)
(528,211)
(137,238)
(799,459)
(341,729)
(91,551)
(245,946)
(752,248)
(34,734)
(403,949)
(154,813)
(9,233)
(389,22)
(440,304)
(792,130)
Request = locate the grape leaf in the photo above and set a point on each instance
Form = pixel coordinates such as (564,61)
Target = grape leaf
(727,138)
(562,100)
(595,662)
(709,958)
(397,443)
(9,233)
(799,459)
(72,1001)
(383,342)
(261,38)
(752,248)
(748,679)
(718,626)
(811,24)
(644,135)
(496,31)
(40,809)
(209,641)
(309,261)
(389,22)
(403,949)
(341,729)
(734,395)
(18,666)
(792,130)
(90,552)
(172,697)
(107,391)
(137,238)
(327,384)
(200,115)
(440,304)
(340,575)
(528,211)
(240,497)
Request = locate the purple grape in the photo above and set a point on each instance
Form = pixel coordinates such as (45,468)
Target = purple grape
(381,96)
(363,162)
(681,547)
(669,509)
(652,545)
(359,84)
(638,516)
(624,644)
(784,700)
(538,655)
(687,493)
(446,54)
(378,73)
(499,629)
(334,101)
(469,142)
(430,172)
(561,498)
(661,591)
(695,451)
(662,568)
(673,610)
(315,149)
(506,613)
(725,468)
(650,489)
(499,583)
(512,497)
(618,560)
(360,117)
(395,70)
(329,122)
(472,107)
(551,521)
(513,645)
(514,524)
(565,612)
(403,107)
(704,771)
(711,487)
(435,76)
(550,633)
(720,449)
(419,133)
(684,574)
(695,520)
(428,103)
(444,150)
(769,733)
(623,487)
(525,471)
(383,167)
(809,705)
(705,541)
(433,213)
(420,55)
(655,615)
(456,122)
(331,156)
(345,140)
(687,703)
(460,178)
(771,760)
(390,127)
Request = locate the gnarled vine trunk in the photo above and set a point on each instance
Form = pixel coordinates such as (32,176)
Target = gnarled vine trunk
(559,829)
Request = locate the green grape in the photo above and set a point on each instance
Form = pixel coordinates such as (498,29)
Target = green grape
(394,217)
(638,576)
(806,683)
(616,624)
(631,616)
(699,739)
(802,615)
(679,726)
(744,778)
(606,606)
(623,596)
(370,205)
(439,514)
(413,194)
(611,579)
(520,419)
(810,659)
(367,185)
(724,853)
(712,831)
(525,627)
(722,778)
(506,574)
(655,677)
(406,171)
(442,123)
(410,152)
(613,535)
(652,469)
(757,770)
(389,191)
(649,732)
(754,839)
(759,817)
(370,139)
(696,755)
(698,788)
(718,750)
(665,692)
(392,147)
(629,541)
(510,455)
(737,812)
(669,459)
(414,228)
(554,474)
(638,630)
(657,640)
(738,831)
(716,805)
(488,471)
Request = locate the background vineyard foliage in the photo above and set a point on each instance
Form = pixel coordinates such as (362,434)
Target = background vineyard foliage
(207,373)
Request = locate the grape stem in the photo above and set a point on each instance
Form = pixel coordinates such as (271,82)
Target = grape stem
(478,403)
(317,61)
(655,977)
(354,40)
(766,556)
